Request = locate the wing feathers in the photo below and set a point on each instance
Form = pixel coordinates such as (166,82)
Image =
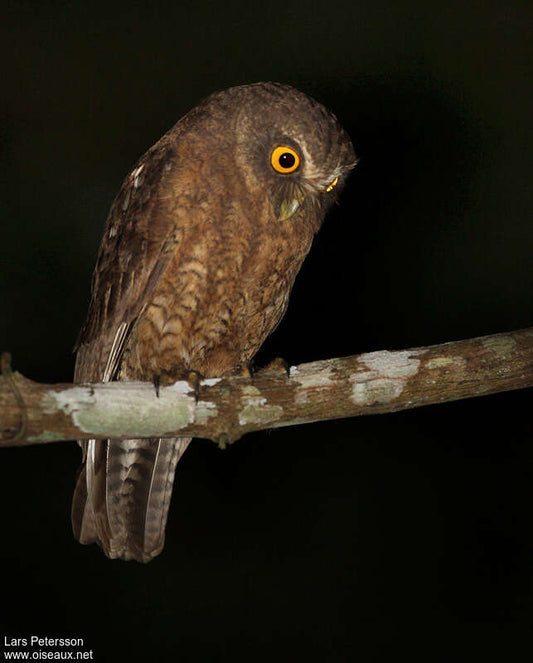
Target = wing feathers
(119,343)
(123,492)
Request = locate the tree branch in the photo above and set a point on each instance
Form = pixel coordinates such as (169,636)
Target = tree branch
(227,408)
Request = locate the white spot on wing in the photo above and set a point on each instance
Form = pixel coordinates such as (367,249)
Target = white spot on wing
(136,175)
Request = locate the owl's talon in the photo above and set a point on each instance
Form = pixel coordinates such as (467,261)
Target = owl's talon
(194,379)
(164,379)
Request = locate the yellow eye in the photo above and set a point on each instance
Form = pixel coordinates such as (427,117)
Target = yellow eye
(333,184)
(284,159)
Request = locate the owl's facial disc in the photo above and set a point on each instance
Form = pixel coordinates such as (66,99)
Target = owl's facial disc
(287,161)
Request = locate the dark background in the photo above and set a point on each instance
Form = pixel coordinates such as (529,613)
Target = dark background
(406,535)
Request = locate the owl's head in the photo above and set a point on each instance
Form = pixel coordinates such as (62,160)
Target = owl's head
(285,145)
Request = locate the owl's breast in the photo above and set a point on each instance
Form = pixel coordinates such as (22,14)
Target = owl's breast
(226,289)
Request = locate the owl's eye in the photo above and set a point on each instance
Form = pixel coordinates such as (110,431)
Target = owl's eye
(333,184)
(284,159)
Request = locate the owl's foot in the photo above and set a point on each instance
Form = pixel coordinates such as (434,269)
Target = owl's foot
(164,379)
(194,379)
(277,366)
(246,370)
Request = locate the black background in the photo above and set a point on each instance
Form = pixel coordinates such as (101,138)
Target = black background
(406,535)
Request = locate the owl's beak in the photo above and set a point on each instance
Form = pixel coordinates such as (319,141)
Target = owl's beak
(287,208)
(289,205)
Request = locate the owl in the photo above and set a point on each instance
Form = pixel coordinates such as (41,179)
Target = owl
(200,251)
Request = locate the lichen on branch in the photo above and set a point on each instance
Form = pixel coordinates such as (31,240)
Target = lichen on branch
(227,408)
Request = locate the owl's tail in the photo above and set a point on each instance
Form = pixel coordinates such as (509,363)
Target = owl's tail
(123,493)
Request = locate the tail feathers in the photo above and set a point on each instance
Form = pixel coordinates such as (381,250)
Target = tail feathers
(123,495)
(82,513)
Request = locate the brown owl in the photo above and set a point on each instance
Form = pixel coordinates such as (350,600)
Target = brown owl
(199,255)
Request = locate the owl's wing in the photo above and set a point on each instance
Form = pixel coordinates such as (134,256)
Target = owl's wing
(124,486)
(139,241)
